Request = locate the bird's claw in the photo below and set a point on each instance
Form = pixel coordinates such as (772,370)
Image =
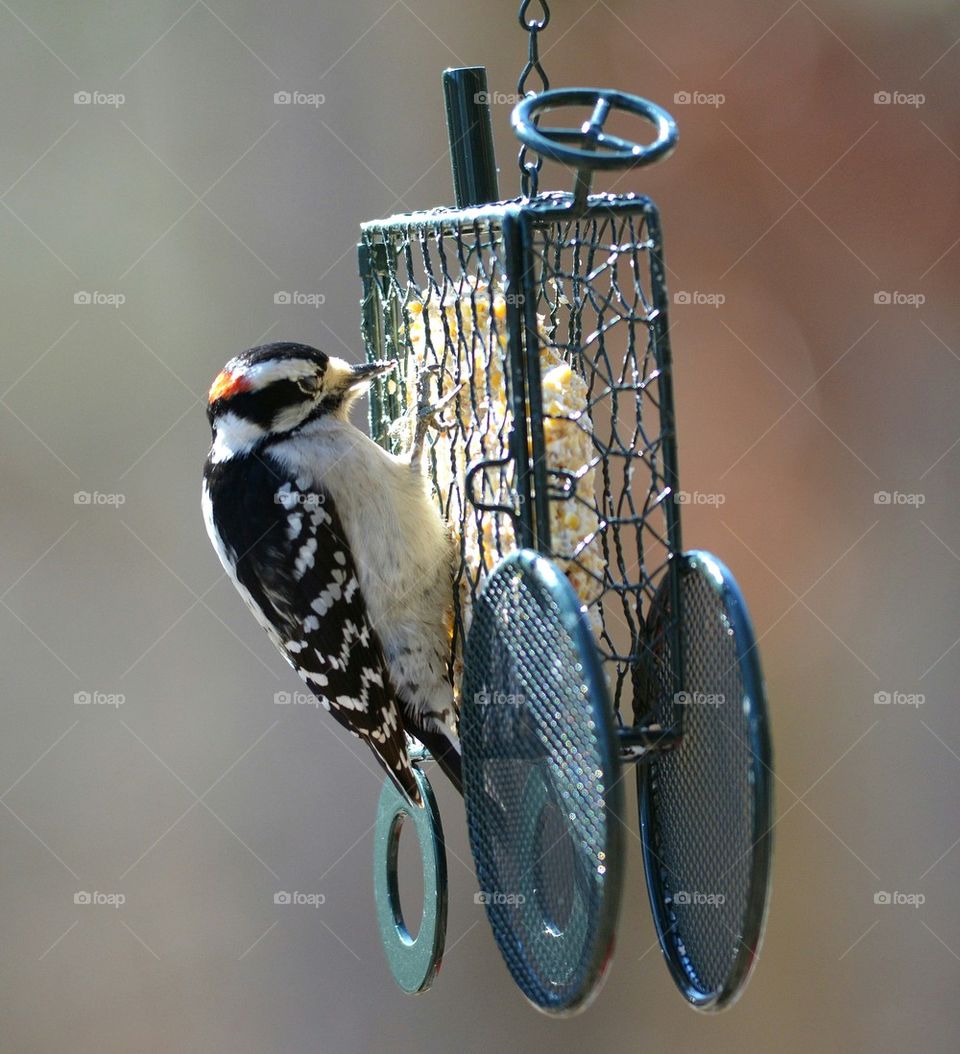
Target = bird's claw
(429,411)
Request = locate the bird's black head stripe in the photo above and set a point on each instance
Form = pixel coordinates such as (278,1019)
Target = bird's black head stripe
(261,407)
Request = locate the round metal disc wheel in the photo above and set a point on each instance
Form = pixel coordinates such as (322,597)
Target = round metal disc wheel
(541,782)
(705,806)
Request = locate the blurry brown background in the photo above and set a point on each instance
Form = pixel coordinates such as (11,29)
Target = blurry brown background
(796,197)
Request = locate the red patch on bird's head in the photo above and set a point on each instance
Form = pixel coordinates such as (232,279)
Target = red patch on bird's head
(226,385)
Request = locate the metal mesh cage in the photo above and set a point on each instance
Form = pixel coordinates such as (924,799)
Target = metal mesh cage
(561,436)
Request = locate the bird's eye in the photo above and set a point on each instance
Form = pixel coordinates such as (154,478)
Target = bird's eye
(309,385)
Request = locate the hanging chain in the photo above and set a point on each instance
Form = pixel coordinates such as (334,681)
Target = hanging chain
(530,170)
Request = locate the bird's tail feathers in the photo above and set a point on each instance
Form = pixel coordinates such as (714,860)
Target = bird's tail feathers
(400,772)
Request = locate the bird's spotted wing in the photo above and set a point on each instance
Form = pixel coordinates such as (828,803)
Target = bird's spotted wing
(300,572)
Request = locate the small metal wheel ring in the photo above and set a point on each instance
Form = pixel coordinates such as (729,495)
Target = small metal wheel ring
(599,150)
(413,961)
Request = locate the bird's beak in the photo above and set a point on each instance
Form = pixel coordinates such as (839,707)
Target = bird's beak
(368,370)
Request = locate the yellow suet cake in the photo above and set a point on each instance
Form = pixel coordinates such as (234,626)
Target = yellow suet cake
(463,337)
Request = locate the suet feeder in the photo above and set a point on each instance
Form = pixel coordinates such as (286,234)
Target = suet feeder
(585,639)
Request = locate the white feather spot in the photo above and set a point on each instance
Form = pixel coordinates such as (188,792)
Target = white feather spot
(349,702)
(287,497)
(305,557)
(333,592)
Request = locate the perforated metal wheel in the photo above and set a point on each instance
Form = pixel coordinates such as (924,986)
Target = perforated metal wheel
(705,806)
(541,782)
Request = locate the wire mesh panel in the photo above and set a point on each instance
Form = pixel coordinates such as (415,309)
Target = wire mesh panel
(547,332)
(604,457)
(436,300)
(705,806)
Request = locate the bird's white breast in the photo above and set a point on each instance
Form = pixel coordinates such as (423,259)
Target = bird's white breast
(396,535)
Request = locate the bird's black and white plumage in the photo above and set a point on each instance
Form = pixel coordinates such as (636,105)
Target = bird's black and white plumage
(336,547)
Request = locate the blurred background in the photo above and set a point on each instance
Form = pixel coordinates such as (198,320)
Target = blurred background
(154,201)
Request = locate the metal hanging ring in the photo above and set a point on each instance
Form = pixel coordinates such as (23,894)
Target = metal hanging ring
(598,150)
(536,24)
